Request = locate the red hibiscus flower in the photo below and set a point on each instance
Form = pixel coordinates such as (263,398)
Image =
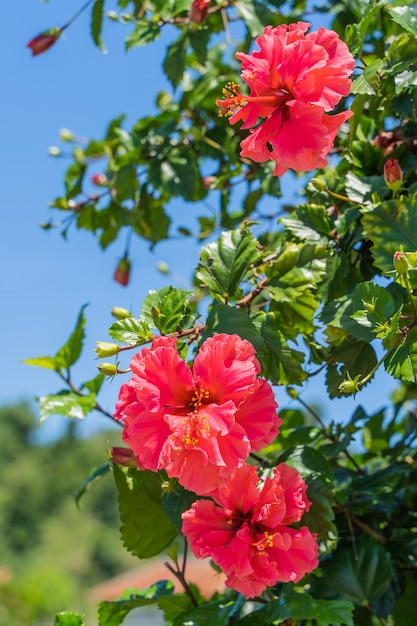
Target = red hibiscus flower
(294,80)
(197,423)
(245,530)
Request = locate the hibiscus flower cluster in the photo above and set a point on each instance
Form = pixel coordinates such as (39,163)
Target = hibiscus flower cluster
(295,80)
(200,423)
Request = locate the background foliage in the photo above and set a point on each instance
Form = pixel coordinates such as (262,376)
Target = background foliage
(312,286)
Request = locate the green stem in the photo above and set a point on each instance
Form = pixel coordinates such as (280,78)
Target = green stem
(74,17)
(410,295)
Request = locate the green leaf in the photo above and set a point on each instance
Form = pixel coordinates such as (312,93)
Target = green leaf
(226,319)
(131,330)
(308,462)
(217,613)
(167,309)
(48,362)
(74,179)
(405,17)
(95,476)
(143,33)
(320,518)
(225,263)
(97,23)
(68,404)
(173,606)
(357,357)
(113,613)
(293,278)
(280,363)
(175,502)
(391,226)
(302,607)
(70,352)
(174,62)
(355,33)
(309,224)
(401,362)
(360,575)
(68,618)
(146,530)
(368,82)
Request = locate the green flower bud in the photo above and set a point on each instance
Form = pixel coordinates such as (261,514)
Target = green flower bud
(318,184)
(293,393)
(106,348)
(350,386)
(107,369)
(169,485)
(400,262)
(119,313)
(66,135)
(163,267)
(54,151)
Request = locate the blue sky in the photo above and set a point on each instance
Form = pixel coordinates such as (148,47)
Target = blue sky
(44,280)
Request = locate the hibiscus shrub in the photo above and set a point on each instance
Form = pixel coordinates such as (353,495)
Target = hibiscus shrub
(311,521)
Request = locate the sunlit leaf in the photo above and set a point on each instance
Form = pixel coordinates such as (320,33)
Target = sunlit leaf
(146,530)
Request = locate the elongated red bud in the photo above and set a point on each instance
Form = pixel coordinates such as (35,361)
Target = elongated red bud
(122,272)
(42,43)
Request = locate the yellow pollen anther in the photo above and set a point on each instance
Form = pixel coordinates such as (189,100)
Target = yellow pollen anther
(233,100)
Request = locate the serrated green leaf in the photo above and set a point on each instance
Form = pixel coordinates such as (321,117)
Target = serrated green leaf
(357,357)
(405,17)
(97,23)
(293,279)
(74,179)
(401,362)
(368,82)
(68,404)
(131,330)
(143,33)
(360,575)
(391,226)
(173,606)
(167,309)
(217,613)
(113,613)
(70,352)
(280,363)
(225,262)
(146,530)
(320,518)
(97,474)
(308,462)
(175,502)
(226,319)
(69,618)
(356,32)
(309,223)
(174,62)
(302,607)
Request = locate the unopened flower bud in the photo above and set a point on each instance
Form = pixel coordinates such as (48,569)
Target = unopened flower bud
(41,43)
(169,485)
(400,262)
(106,348)
(208,181)
(119,313)
(54,151)
(293,393)
(107,369)
(122,456)
(122,271)
(199,10)
(393,174)
(99,179)
(163,267)
(318,184)
(350,386)
(66,135)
